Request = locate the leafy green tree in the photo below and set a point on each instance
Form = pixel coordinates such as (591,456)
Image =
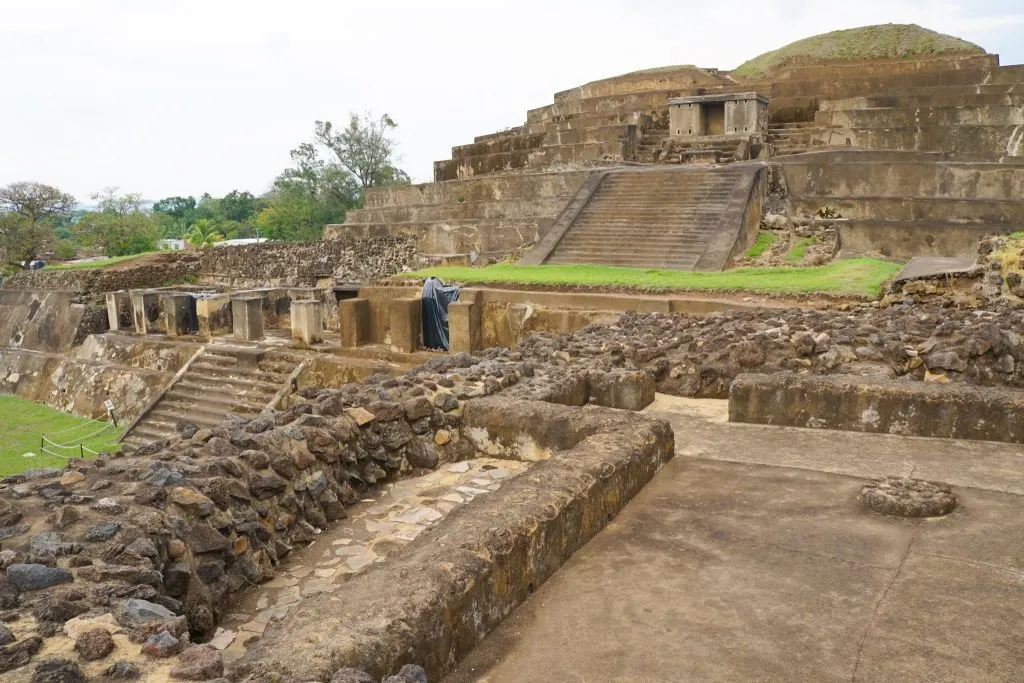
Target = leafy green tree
(204,234)
(28,213)
(174,215)
(365,148)
(307,196)
(238,206)
(120,226)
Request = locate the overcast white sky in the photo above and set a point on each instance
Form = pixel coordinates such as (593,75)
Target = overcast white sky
(169,97)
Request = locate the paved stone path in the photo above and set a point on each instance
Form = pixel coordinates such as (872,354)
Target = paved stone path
(374,528)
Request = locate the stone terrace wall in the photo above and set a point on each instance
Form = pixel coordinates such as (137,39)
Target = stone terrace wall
(168,268)
(298,264)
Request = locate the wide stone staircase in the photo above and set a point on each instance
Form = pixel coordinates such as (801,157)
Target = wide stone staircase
(672,218)
(222,380)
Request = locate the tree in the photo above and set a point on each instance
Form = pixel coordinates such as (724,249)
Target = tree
(204,234)
(364,148)
(174,215)
(121,225)
(306,197)
(35,201)
(28,213)
(22,240)
(237,206)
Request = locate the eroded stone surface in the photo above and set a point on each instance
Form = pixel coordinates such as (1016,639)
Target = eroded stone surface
(907,497)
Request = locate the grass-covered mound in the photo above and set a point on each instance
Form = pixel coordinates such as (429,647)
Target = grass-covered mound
(884,41)
(853,277)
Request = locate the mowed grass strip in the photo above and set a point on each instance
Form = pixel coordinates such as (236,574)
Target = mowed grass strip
(98,263)
(854,277)
(22,422)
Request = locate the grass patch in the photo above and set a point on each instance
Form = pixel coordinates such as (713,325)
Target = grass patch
(765,241)
(857,277)
(21,424)
(99,263)
(884,41)
(798,251)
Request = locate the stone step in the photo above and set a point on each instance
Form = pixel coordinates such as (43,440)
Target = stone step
(199,369)
(144,433)
(662,219)
(196,390)
(164,418)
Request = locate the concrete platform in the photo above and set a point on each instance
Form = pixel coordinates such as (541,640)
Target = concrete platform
(934,266)
(749,557)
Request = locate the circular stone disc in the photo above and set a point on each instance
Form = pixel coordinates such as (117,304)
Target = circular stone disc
(906,497)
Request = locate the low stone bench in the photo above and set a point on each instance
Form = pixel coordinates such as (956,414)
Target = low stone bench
(952,411)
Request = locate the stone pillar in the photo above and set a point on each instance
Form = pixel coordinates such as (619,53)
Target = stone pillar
(307,321)
(354,317)
(406,323)
(247,317)
(214,314)
(463,326)
(175,307)
(145,310)
(116,303)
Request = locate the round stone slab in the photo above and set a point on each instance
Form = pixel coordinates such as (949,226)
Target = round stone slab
(906,497)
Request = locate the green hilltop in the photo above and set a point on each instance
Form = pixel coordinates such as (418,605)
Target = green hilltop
(884,41)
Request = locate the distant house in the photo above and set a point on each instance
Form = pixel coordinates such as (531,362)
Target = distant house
(172,245)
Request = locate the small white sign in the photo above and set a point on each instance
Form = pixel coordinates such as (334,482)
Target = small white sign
(109,405)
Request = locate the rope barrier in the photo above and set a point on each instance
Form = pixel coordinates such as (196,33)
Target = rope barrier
(106,427)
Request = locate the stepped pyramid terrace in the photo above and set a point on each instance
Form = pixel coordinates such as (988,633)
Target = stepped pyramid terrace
(724,381)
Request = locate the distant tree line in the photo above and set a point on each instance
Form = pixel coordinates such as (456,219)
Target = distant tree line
(327,177)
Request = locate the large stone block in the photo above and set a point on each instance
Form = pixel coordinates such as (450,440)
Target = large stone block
(951,411)
(175,309)
(307,321)
(145,311)
(354,317)
(625,390)
(119,311)
(247,317)
(406,324)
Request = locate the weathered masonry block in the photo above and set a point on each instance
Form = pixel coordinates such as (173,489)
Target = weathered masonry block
(406,324)
(354,318)
(465,321)
(247,317)
(307,321)
(145,311)
(174,307)
(119,310)
(881,406)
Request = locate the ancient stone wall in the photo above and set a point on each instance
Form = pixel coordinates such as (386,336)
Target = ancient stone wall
(167,269)
(78,386)
(308,264)
(879,406)
(41,321)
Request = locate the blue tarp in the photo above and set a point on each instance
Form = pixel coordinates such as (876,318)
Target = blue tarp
(436,297)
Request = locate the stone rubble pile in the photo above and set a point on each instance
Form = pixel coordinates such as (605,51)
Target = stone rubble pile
(700,356)
(349,260)
(153,543)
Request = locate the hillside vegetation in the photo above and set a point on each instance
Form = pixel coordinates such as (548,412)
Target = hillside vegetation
(884,41)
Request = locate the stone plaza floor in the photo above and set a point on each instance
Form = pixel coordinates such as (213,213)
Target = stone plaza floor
(750,557)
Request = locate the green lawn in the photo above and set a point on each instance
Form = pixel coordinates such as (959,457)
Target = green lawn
(98,263)
(21,424)
(858,277)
